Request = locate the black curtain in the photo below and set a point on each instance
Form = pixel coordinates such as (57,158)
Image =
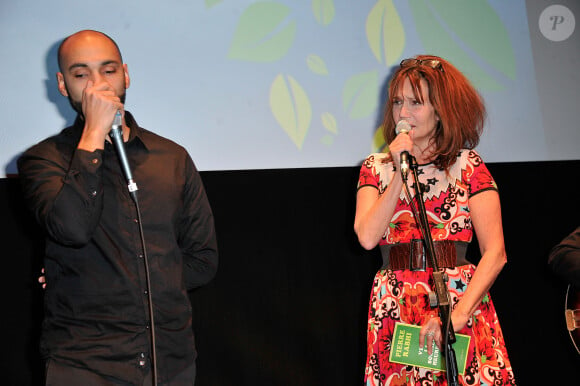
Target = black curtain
(289,303)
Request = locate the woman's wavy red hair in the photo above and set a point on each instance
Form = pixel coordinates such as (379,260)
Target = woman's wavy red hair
(457,103)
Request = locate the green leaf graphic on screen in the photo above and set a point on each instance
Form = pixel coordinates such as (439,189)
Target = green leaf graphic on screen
(361,94)
(327,140)
(211,3)
(329,122)
(379,144)
(323,11)
(385,33)
(478,44)
(291,108)
(316,64)
(264,33)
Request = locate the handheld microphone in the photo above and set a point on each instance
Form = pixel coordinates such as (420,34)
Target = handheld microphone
(404,127)
(116,135)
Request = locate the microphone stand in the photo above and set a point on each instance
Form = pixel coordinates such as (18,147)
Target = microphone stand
(441,296)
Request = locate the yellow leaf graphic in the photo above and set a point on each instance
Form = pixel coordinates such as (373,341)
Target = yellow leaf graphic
(385,32)
(323,11)
(329,122)
(291,108)
(316,64)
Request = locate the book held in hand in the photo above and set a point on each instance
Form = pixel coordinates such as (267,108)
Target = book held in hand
(405,349)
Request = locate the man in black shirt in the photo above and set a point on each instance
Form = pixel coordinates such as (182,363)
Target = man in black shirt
(112,261)
(565,258)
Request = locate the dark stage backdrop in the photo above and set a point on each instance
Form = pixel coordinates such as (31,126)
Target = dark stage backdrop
(288,306)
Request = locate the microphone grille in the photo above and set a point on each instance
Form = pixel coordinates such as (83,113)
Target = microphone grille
(402,127)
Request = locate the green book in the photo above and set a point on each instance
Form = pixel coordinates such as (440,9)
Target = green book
(405,349)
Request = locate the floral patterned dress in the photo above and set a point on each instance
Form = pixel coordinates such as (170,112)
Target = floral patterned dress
(402,295)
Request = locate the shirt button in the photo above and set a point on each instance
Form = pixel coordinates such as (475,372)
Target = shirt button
(145,292)
(94,193)
(95,161)
(142,359)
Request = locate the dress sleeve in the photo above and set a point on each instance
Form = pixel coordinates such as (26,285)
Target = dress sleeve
(477,175)
(368,175)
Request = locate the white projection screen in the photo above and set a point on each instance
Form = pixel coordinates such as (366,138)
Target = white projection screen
(295,84)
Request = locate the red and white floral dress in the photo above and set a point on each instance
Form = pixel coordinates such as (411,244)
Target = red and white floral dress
(402,295)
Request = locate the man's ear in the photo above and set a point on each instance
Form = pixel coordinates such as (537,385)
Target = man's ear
(127,79)
(61,85)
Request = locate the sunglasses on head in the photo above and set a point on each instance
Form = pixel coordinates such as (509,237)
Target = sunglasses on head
(433,63)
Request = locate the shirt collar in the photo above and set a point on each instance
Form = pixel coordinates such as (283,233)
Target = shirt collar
(136,133)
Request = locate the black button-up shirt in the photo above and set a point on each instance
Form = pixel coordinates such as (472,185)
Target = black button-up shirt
(96,300)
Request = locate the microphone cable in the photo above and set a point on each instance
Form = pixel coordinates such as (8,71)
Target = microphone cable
(149,292)
(116,135)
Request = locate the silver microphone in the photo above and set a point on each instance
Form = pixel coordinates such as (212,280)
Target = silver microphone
(404,127)
(116,135)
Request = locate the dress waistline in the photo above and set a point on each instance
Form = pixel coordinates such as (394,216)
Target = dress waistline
(412,255)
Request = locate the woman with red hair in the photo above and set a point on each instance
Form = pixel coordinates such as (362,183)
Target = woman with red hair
(442,116)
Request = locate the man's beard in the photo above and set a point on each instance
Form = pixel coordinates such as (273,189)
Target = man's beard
(78,105)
